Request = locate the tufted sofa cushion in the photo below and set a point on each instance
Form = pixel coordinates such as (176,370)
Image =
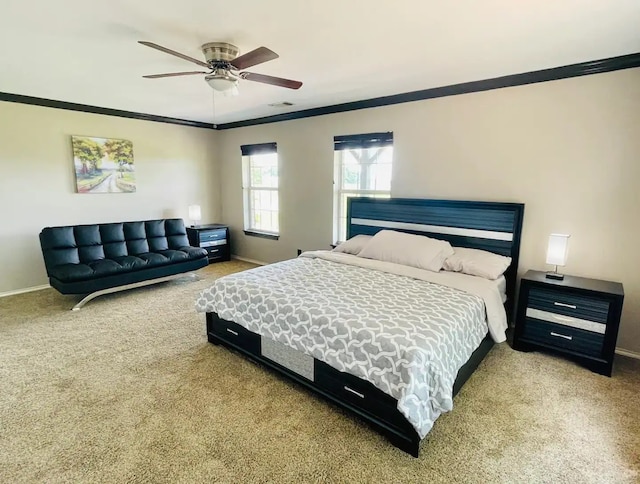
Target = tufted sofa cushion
(86,252)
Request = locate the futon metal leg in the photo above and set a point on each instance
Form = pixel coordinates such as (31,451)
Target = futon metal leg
(110,290)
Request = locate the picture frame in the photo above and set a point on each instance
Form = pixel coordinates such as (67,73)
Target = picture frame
(103,165)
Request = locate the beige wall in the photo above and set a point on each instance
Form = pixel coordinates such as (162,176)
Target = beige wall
(175,167)
(569,150)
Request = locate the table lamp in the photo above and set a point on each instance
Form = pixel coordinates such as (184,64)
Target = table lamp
(557,254)
(195,214)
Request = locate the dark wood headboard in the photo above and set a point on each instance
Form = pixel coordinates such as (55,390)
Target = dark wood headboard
(491,226)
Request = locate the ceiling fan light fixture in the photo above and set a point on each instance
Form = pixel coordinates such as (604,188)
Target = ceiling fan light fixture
(222,58)
(222,81)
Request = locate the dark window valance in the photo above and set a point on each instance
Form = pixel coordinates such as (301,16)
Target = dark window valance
(261,149)
(361,141)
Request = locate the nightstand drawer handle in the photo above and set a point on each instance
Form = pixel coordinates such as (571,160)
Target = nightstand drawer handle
(561,336)
(564,305)
(235,333)
(353,391)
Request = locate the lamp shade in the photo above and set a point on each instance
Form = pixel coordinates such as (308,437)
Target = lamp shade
(195,213)
(558,249)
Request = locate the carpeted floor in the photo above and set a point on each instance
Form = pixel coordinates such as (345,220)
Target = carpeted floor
(129,390)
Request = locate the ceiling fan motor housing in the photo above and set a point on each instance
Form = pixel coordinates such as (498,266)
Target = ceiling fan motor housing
(219,52)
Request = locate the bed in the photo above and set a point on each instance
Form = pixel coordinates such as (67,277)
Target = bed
(354,330)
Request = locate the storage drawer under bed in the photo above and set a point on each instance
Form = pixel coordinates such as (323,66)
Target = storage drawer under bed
(359,393)
(235,334)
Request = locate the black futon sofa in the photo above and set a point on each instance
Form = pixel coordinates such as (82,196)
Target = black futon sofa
(103,258)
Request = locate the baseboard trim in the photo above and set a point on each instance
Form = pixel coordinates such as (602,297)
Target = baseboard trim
(246,259)
(26,289)
(630,354)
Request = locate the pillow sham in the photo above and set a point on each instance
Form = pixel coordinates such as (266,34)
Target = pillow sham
(354,245)
(407,249)
(476,262)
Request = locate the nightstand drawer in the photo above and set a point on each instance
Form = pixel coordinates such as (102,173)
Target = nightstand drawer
(568,304)
(215,252)
(213,243)
(566,320)
(554,335)
(209,235)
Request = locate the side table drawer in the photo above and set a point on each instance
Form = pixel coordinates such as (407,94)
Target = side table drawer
(565,337)
(210,235)
(573,305)
(566,320)
(221,252)
(213,243)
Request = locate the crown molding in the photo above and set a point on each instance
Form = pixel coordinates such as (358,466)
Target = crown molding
(85,108)
(555,73)
(544,75)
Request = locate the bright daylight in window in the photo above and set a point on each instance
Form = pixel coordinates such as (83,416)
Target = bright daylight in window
(359,172)
(260,181)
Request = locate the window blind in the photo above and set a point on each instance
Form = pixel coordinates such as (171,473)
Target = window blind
(362,141)
(259,149)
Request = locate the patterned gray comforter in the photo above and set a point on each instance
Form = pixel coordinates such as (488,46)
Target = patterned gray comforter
(407,336)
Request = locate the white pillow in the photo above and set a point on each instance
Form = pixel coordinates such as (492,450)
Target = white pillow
(477,262)
(407,249)
(354,245)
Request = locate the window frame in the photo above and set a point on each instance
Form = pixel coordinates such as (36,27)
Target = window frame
(248,152)
(346,143)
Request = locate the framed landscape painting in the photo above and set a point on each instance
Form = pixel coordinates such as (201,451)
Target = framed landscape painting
(103,165)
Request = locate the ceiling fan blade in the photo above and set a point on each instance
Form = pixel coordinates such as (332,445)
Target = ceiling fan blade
(173,52)
(274,81)
(173,74)
(255,57)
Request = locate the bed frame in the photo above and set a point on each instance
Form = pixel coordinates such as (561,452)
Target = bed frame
(491,226)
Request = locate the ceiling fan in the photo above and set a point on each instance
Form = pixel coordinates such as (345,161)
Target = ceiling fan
(224,65)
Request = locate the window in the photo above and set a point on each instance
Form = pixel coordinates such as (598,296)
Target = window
(260,187)
(362,168)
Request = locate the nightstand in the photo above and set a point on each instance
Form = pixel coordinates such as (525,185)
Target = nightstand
(576,317)
(214,238)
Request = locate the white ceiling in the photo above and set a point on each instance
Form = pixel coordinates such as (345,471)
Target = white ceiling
(343,50)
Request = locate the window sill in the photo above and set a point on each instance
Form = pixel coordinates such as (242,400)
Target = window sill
(264,235)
